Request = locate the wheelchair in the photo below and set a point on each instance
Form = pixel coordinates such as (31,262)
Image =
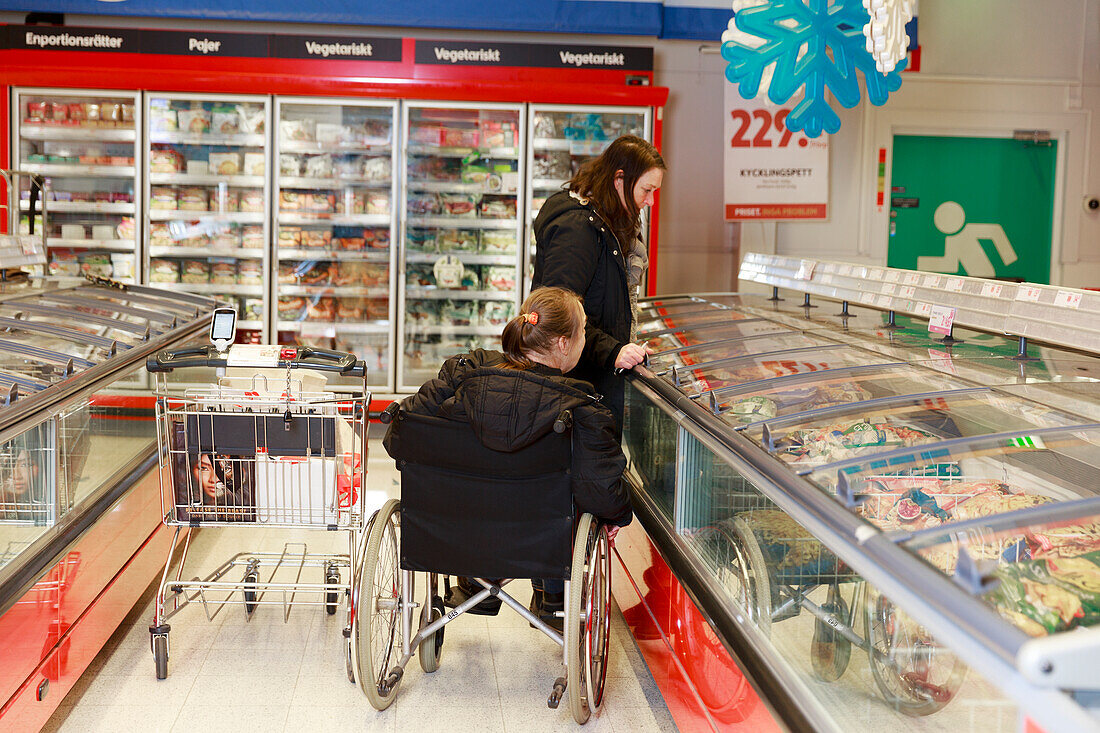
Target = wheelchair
(467,510)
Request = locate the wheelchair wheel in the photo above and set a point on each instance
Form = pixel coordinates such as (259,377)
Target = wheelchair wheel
(913,672)
(588,619)
(376,623)
(741,568)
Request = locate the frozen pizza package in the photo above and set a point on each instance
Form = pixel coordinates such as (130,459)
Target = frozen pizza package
(163,197)
(498,242)
(499,278)
(252,236)
(193,198)
(498,207)
(250,272)
(195,120)
(223,271)
(164,270)
(195,271)
(459,205)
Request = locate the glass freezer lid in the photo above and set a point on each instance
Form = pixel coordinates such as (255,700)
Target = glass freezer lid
(846,431)
(739,338)
(837,390)
(720,377)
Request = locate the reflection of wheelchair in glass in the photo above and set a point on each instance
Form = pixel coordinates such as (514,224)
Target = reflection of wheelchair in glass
(770,565)
(471,511)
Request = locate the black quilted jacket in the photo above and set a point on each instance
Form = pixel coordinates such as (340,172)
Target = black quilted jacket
(509,409)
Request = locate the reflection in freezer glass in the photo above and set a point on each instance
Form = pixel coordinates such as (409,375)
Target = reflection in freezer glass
(28,501)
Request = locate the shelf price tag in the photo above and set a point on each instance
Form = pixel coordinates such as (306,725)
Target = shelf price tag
(1067,299)
(893,276)
(806,270)
(884,301)
(924,309)
(955,284)
(992,290)
(940,319)
(907,291)
(1028,293)
(933,281)
(911,278)
(889,289)
(867,297)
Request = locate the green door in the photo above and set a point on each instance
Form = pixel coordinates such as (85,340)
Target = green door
(972,206)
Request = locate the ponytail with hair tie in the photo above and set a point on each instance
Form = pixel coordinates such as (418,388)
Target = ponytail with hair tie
(551,313)
(532,317)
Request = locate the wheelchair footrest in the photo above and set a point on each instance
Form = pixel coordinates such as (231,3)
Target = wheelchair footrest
(556,695)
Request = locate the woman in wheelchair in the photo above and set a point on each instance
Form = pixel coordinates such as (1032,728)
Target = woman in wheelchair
(512,399)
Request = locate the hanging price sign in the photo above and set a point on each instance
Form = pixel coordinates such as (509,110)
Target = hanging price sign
(771,172)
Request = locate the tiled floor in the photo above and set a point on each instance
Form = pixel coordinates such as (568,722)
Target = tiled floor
(266,675)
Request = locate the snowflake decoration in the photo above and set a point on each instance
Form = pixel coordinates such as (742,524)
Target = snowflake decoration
(886,38)
(733,34)
(815,45)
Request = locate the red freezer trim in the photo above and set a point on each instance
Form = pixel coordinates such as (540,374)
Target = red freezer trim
(5,136)
(700,681)
(119,401)
(76,69)
(655,210)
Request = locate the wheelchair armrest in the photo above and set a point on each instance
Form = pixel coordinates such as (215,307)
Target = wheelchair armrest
(564,421)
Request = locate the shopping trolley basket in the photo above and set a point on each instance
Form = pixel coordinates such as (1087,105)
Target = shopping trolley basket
(265,448)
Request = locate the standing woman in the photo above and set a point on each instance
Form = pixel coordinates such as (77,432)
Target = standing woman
(588,240)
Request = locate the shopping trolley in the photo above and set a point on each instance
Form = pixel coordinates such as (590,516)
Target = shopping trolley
(260,448)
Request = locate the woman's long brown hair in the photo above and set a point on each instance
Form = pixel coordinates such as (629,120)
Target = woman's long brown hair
(596,180)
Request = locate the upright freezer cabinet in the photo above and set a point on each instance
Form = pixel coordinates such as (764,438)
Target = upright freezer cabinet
(85,143)
(334,228)
(461,231)
(890,532)
(207,213)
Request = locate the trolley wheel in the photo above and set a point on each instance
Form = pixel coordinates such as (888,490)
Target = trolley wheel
(349,661)
(588,619)
(741,567)
(160,655)
(915,674)
(332,597)
(431,648)
(376,622)
(250,595)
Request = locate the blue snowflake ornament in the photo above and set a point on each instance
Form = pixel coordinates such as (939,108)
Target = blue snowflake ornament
(817,45)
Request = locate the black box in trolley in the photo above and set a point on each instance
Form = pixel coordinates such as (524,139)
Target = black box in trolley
(266,445)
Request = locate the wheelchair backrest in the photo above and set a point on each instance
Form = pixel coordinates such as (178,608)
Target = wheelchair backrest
(470,510)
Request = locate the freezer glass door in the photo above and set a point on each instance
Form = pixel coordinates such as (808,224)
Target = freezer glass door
(334,229)
(85,144)
(562,139)
(461,236)
(207,213)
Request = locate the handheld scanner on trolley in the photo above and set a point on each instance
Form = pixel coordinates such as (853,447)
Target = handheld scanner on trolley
(258,356)
(223,327)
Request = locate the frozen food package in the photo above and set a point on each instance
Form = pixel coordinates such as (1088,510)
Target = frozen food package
(166,161)
(459,137)
(126,228)
(225,164)
(64,263)
(457,240)
(424,204)
(498,207)
(498,242)
(317,238)
(229,238)
(321,309)
(250,272)
(420,240)
(471,280)
(459,204)
(122,266)
(422,312)
(288,273)
(252,199)
(127,114)
(252,236)
(36,112)
(351,201)
(193,198)
(163,197)
(297,130)
(224,120)
(376,131)
(350,309)
(426,134)
(320,202)
(377,169)
(319,166)
(377,238)
(252,309)
(496,312)
(458,312)
(290,237)
(289,165)
(420,275)
(292,309)
(225,199)
(377,203)
(163,119)
(312,272)
(548,125)
(290,200)
(159,235)
(329,133)
(554,164)
(375,274)
(250,118)
(348,273)
(195,120)
(499,278)
(195,271)
(163,270)
(347,166)
(223,271)
(254,164)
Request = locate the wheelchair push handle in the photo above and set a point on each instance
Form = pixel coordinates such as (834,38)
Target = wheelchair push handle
(390,413)
(563,422)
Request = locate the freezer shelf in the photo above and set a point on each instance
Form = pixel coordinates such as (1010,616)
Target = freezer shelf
(327,184)
(74,170)
(51,132)
(232,217)
(83,207)
(206,180)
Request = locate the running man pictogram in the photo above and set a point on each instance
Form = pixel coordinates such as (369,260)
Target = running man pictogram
(963,244)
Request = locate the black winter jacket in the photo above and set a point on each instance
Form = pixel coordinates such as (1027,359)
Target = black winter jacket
(511,408)
(577,250)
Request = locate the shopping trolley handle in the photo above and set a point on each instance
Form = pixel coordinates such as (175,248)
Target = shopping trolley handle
(200,356)
(309,357)
(301,357)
